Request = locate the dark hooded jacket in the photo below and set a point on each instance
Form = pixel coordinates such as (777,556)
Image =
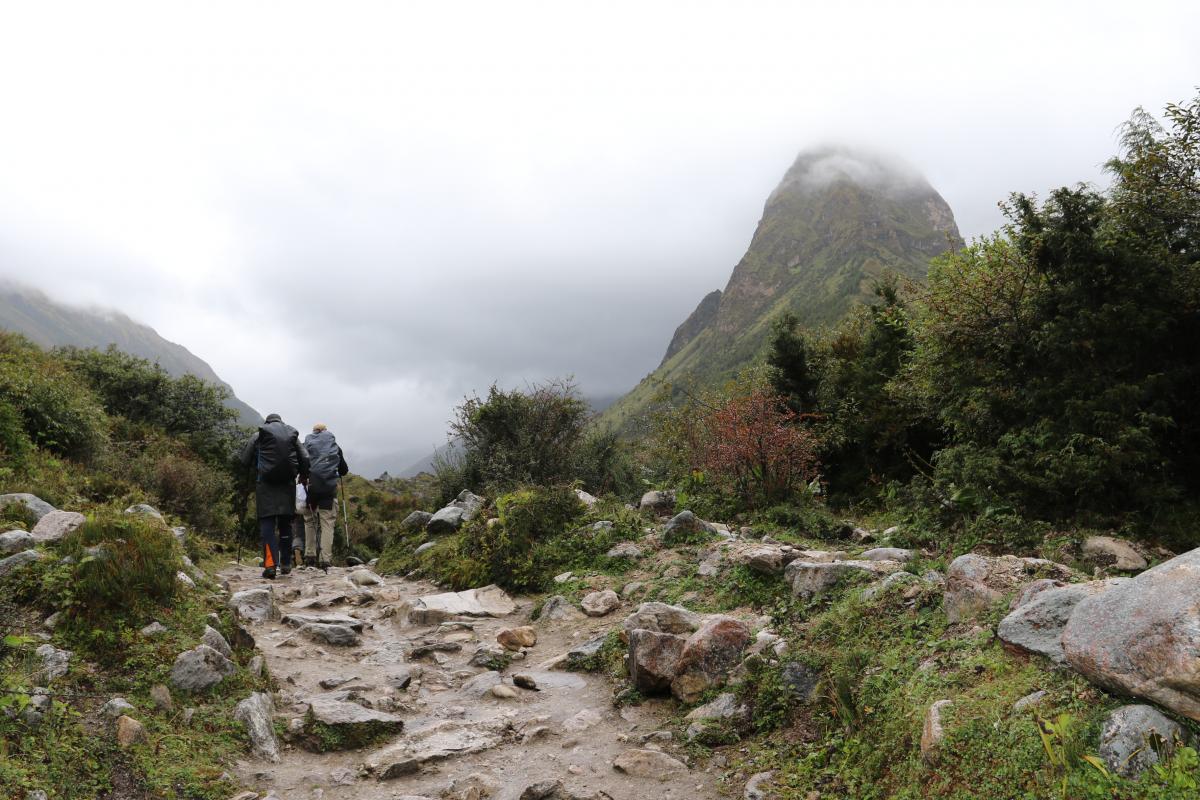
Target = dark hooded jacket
(276,499)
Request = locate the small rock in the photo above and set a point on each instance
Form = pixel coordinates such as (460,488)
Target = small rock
(525,682)
(557,609)
(800,680)
(364,577)
(756,787)
(55,662)
(56,525)
(257,666)
(213,638)
(199,669)
(35,504)
(503,691)
(625,550)
(18,561)
(144,510)
(185,580)
(598,604)
(516,638)
(423,548)
(333,635)
(256,712)
(1030,700)
(16,541)
(582,720)
(888,554)
(415,521)
(1135,737)
(683,525)
(660,503)
(153,629)
(1119,554)
(130,732)
(116,707)
(254,605)
(585,498)
(933,733)
(563,577)
(649,764)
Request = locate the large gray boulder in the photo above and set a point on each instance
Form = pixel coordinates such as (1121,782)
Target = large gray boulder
(37,505)
(199,669)
(1142,637)
(653,659)
(415,521)
(446,520)
(809,579)
(55,525)
(975,582)
(15,542)
(18,560)
(660,503)
(253,605)
(1135,737)
(256,712)
(213,638)
(1037,626)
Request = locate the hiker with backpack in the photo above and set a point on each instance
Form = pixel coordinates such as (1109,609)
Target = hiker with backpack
(328,465)
(278,458)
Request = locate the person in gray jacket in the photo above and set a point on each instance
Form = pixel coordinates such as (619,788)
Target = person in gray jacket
(328,466)
(278,458)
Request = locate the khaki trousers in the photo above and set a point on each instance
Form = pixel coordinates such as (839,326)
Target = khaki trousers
(318,528)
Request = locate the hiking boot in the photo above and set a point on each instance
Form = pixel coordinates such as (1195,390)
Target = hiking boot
(286,570)
(269,573)
(310,561)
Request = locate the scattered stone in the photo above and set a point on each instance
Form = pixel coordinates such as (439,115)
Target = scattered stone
(888,554)
(649,764)
(662,618)
(1037,626)
(161,696)
(756,787)
(490,656)
(256,712)
(708,656)
(801,681)
(626,550)
(452,517)
(55,525)
(933,733)
(1141,637)
(18,560)
(1135,737)
(557,609)
(1119,554)
(333,635)
(116,707)
(581,655)
(130,732)
(364,577)
(199,669)
(632,588)
(424,547)
(1030,700)
(254,605)
(585,498)
(35,504)
(582,720)
(660,503)
(345,620)
(516,638)
(16,541)
(598,604)
(257,667)
(213,638)
(974,582)
(525,682)
(488,601)
(895,579)
(55,662)
(764,559)
(723,708)
(683,525)
(503,691)
(563,577)
(144,510)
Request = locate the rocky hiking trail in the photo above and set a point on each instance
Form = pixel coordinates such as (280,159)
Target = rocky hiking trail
(366,655)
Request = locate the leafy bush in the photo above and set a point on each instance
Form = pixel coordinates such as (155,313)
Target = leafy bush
(124,571)
(57,410)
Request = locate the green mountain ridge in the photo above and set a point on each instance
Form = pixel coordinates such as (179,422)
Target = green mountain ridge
(838,221)
(48,323)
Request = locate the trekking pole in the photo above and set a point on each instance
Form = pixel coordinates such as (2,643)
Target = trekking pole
(345,514)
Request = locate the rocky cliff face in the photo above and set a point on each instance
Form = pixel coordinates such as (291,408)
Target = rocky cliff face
(838,220)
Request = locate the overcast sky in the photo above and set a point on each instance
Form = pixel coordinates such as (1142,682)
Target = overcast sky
(360,212)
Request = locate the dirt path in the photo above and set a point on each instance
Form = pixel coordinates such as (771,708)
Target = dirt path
(568,731)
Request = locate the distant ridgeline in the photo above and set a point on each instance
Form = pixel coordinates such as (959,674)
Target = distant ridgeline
(49,324)
(837,221)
